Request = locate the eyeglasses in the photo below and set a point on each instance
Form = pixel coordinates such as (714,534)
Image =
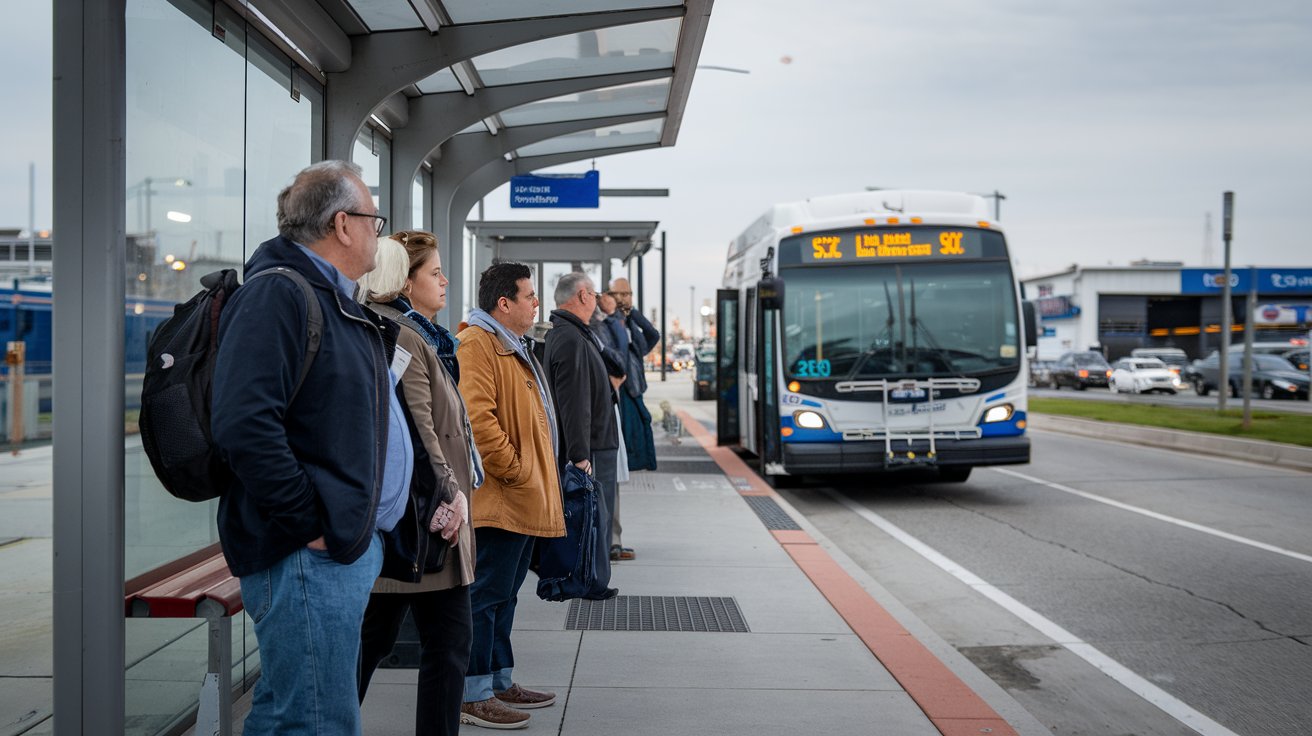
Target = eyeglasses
(382,221)
(620,293)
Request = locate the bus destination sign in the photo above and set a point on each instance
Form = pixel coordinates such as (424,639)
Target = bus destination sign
(887,244)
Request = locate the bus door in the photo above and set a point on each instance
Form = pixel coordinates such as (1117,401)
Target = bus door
(726,367)
(749,388)
(769,298)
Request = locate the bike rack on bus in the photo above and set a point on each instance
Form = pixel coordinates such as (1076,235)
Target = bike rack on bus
(930,386)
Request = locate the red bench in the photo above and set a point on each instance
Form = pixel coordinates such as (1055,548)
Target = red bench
(198,585)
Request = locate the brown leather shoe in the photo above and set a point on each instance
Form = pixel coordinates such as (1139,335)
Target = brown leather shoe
(618,553)
(525,699)
(492,713)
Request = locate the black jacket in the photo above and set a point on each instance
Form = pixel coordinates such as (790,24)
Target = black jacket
(585,400)
(312,468)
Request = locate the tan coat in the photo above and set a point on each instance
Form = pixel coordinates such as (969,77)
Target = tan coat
(439,415)
(521,488)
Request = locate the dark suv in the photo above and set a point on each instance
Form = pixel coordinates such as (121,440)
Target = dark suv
(1080,371)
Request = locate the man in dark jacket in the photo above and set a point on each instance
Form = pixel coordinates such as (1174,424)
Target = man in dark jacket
(318,475)
(585,401)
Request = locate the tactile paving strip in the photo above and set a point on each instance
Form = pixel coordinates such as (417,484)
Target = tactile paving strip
(687,465)
(656,613)
(770,513)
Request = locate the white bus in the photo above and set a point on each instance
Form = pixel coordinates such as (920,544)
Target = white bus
(870,332)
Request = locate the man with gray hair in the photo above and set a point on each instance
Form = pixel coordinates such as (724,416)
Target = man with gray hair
(585,396)
(321,458)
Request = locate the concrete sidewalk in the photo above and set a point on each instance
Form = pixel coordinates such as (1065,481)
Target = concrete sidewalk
(801,667)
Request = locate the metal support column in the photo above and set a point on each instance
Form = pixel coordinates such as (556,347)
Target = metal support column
(665,322)
(89,173)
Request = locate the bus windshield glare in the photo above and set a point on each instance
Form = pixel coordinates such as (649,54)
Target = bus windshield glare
(900,320)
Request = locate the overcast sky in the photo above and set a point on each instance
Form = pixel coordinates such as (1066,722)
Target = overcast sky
(1112,128)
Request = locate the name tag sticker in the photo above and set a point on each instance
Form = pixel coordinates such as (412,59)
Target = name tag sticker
(400,360)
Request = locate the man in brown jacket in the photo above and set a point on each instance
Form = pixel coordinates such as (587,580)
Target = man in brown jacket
(514,426)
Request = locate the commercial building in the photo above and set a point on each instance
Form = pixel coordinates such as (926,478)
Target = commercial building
(1155,304)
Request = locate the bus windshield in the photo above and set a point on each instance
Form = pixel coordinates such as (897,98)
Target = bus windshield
(899,321)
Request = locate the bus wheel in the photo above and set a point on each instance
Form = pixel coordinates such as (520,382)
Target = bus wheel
(954,473)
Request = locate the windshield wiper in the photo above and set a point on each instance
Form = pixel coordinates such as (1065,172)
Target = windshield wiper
(917,326)
(887,334)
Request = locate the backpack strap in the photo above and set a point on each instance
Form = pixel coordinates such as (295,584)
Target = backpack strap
(313,321)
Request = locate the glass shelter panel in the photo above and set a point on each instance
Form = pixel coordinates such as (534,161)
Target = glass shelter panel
(479,11)
(631,48)
(214,131)
(629,99)
(646,132)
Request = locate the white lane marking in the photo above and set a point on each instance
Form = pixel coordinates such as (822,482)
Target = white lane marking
(678,485)
(1169,704)
(1157,516)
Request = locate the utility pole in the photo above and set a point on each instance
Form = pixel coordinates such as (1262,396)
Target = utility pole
(31,219)
(1227,219)
(1248,348)
(665,320)
(692,306)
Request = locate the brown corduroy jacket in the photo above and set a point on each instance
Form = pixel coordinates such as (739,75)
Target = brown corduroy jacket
(521,488)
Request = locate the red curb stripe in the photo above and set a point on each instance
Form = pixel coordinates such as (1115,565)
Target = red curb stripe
(950,704)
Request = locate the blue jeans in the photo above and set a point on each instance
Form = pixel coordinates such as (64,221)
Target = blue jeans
(501,563)
(307,611)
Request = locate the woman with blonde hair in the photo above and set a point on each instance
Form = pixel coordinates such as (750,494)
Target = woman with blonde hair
(428,561)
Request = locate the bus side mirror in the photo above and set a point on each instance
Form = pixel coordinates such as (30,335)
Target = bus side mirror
(770,291)
(1031,323)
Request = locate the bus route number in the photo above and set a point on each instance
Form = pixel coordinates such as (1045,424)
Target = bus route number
(826,247)
(813,369)
(949,244)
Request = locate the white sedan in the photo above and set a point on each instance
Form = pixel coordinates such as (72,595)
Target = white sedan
(1143,375)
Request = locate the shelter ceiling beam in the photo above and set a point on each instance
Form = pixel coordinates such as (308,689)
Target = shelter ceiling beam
(382,64)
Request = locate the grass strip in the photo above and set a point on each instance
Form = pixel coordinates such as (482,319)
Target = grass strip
(1294,429)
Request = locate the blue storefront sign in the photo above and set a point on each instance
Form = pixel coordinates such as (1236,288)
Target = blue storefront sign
(555,190)
(1269,280)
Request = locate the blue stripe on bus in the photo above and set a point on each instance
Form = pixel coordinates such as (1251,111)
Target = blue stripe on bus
(801,434)
(1008,428)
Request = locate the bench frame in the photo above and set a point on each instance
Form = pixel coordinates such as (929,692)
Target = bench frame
(198,585)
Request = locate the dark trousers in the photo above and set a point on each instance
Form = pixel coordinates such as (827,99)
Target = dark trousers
(501,564)
(445,631)
(604,468)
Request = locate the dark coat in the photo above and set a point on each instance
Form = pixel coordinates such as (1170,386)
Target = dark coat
(313,467)
(585,400)
(641,337)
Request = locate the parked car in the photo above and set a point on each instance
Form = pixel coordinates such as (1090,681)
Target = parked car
(1039,371)
(1175,359)
(1080,370)
(1143,375)
(1273,376)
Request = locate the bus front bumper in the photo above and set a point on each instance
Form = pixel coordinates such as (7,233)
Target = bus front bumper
(824,458)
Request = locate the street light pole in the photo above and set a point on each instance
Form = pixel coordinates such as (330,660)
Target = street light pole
(665,322)
(1227,218)
(692,314)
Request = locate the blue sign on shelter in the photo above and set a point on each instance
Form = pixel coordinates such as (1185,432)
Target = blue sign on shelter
(556,190)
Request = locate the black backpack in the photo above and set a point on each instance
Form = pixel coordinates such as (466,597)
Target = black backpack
(175,393)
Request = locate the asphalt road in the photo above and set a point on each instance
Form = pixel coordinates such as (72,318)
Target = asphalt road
(1215,629)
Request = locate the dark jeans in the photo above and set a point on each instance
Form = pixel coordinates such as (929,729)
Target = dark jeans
(445,632)
(499,570)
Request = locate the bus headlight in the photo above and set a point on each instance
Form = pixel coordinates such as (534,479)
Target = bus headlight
(999,413)
(809,420)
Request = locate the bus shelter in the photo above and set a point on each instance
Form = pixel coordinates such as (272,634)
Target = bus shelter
(603,250)
(176,124)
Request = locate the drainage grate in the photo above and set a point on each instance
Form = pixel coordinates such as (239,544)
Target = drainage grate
(687,465)
(656,613)
(770,513)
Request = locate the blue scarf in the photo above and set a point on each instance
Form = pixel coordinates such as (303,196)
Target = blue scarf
(441,340)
